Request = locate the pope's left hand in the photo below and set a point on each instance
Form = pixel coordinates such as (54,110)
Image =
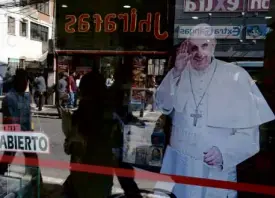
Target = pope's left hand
(213,157)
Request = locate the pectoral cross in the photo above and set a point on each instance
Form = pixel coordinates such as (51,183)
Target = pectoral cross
(195,117)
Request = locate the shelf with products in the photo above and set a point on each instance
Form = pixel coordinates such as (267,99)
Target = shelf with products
(144,73)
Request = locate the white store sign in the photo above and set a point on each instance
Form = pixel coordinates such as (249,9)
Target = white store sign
(31,142)
(220,32)
(213,5)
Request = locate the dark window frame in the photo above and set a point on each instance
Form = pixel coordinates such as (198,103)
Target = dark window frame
(39,32)
(11,26)
(43,7)
(23,2)
(21,28)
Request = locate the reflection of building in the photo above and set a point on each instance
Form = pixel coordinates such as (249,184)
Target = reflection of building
(24,35)
(240,26)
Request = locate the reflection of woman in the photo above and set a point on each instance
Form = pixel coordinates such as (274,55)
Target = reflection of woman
(91,143)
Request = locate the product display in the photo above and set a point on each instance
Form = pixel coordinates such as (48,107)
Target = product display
(138,149)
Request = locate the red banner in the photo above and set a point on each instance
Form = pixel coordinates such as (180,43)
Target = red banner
(12,127)
(139,174)
(213,5)
(258,5)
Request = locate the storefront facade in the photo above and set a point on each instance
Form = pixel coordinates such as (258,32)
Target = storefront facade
(240,26)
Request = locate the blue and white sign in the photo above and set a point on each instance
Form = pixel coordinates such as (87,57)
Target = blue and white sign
(219,32)
(257,31)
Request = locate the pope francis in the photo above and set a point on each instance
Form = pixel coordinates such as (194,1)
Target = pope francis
(216,110)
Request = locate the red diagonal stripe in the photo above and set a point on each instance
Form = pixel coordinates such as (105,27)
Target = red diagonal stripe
(253,188)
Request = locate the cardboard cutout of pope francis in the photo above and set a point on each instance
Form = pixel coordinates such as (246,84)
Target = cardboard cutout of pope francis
(216,109)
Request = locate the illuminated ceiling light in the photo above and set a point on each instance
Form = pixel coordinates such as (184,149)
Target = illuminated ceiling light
(195,17)
(127,6)
(243,13)
(241,40)
(208,41)
(268,17)
(210,14)
(64,6)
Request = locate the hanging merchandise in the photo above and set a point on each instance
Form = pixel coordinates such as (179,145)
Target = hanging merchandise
(156,67)
(139,82)
(150,67)
(139,75)
(161,67)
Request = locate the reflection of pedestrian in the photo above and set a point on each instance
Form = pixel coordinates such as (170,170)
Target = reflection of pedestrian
(31,88)
(8,79)
(90,143)
(72,89)
(78,79)
(128,184)
(110,80)
(128,136)
(16,110)
(62,90)
(40,90)
(77,82)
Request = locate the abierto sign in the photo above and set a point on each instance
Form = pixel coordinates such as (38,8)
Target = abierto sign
(213,5)
(33,142)
(220,32)
(258,5)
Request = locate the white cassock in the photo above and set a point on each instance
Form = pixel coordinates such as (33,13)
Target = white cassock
(232,110)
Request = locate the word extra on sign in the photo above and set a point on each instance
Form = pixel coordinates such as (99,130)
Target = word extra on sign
(213,5)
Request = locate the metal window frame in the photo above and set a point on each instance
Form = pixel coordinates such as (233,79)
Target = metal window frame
(40,28)
(21,29)
(10,24)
